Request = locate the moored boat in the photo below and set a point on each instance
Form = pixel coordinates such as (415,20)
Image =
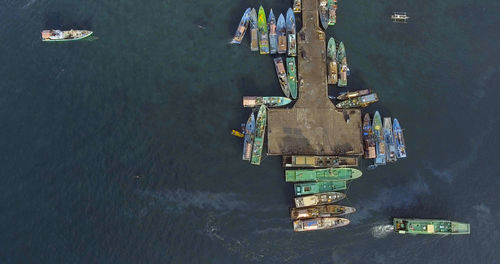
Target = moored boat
(254,31)
(378,135)
(399,139)
(389,140)
(342,63)
(331,61)
(319,223)
(368,142)
(242,27)
(65,35)
(332,12)
(269,101)
(291,33)
(362,101)
(429,227)
(347,95)
(297,6)
(282,78)
(319,161)
(323,13)
(319,199)
(292,76)
(281,26)
(273,35)
(330,174)
(263,32)
(331,210)
(260,132)
(249,137)
(319,187)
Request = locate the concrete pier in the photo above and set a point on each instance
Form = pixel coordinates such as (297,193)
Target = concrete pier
(313,126)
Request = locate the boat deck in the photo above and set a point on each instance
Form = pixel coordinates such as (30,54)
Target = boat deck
(313,126)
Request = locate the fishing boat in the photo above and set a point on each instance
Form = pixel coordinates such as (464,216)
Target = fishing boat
(378,135)
(330,174)
(291,33)
(242,27)
(348,95)
(297,6)
(331,210)
(429,227)
(65,35)
(254,31)
(389,140)
(319,187)
(342,61)
(292,76)
(362,101)
(269,101)
(249,137)
(273,34)
(331,52)
(263,32)
(319,162)
(281,26)
(260,133)
(399,17)
(399,139)
(368,142)
(319,223)
(282,78)
(318,199)
(323,13)
(332,12)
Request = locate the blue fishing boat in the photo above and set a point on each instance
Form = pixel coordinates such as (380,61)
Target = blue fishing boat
(242,27)
(291,33)
(399,139)
(273,35)
(281,34)
(249,137)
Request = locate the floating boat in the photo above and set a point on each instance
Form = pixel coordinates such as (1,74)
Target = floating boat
(319,199)
(430,227)
(297,6)
(399,139)
(348,95)
(260,133)
(319,161)
(280,71)
(368,143)
(342,61)
(362,101)
(332,12)
(323,13)
(292,76)
(67,35)
(281,26)
(254,31)
(273,34)
(331,52)
(399,17)
(291,33)
(269,101)
(319,187)
(389,140)
(378,135)
(242,27)
(331,210)
(330,174)
(263,32)
(249,137)
(319,224)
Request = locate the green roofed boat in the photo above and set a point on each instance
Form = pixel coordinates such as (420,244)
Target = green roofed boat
(319,199)
(430,227)
(330,210)
(68,35)
(260,132)
(331,61)
(342,62)
(291,33)
(292,76)
(330,174)
(263,32)
(332,12)
(319,187)
(362,101)
(269,101)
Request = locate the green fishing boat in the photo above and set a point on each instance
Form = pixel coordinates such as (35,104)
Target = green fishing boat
(319,187)
(292,76)
(331,61)
(332,12)
(330,174)
(68,35)
(260,132)
(362,101)
(269,101)
(342,64)
(263,32)
(430,227)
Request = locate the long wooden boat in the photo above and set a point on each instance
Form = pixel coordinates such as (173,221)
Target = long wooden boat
(292,76)
(269,101)
(281,26)
(331,210)
(254,31)
(67,35)
(281,73)
(319,224)
(319,199)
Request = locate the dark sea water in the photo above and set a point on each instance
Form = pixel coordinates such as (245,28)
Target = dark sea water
(156,93)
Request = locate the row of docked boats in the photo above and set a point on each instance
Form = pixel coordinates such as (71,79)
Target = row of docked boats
(254,134)
(336,62)
(268,36)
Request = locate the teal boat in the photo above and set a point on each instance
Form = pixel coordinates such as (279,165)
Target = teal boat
(342,61)
(332,12)
(273,34)
(378,134)
(68,35)
(263,32)
(429,227)
(319,187)
(330,174)
(269,101)
(254,31)
(292,76)
(260,133)
(331,54)
(362,101)
(242,27)
(291,33)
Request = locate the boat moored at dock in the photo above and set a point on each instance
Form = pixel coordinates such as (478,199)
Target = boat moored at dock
(319,187)
(263,32)
(260,132)
(389,140)
(332,62)
(291,33)
(254,31)
(430,227)
(292,76)
(319,161)
(362,101)
(342,62)
(319,224)
(331,210)
(249,137)
(273,34)
(318,199)
(242,27)
(378,135)
(368,142)
(323,13)
(269,101)
(348,95)
(281,26)
(330,174)
(65,35)
(281,73)
(332,12)
(297,6)
(399,139)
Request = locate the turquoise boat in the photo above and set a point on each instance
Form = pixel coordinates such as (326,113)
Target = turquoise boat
(68,35)
(319,187)
(330,174)
(269,101)
(429,227)
(292,76)
(273,33)
(260,133)
(342,62)
(291,33)
(331,59)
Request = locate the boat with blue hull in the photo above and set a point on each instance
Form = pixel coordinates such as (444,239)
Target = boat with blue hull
(291,33)
(249,137)
(273,34)
(242,27)
(399,139)
(281,26)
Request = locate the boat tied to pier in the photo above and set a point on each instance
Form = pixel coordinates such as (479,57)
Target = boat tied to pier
(319,161)
(292,76)
(282,78)
(368,142)
(332,62)
(318,199)
(355,102)
(249,137)
(273,34)
(348,95)
(269,101)
(319,223)
(331,210)
(260,133)
(378,135)
(323,13)
(291,33)
(64,35)
(254,31)
(263,32)
(306,188)
(389,140)
(330,174)
(282,45)
(332,12)
(342,61)
(430,227)
(242,27)
(399,139)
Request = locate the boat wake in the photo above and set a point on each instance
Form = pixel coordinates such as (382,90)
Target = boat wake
(382,231)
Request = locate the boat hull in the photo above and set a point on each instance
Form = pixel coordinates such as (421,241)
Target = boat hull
(319,162)
(69,35)
(323,13)
(319,224)
(430,227)
(273,36)
(330,174)
(281,73)
(291,33)
(263,32)
(399,139)
(249,137)
(269,101)
(318,199)
(282,42)
(242,27)
(254,31)
(260,132)
(332,210)
(292,76)
(378,134)
(319,187)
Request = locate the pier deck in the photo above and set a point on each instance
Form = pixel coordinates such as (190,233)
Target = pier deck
(313,126)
